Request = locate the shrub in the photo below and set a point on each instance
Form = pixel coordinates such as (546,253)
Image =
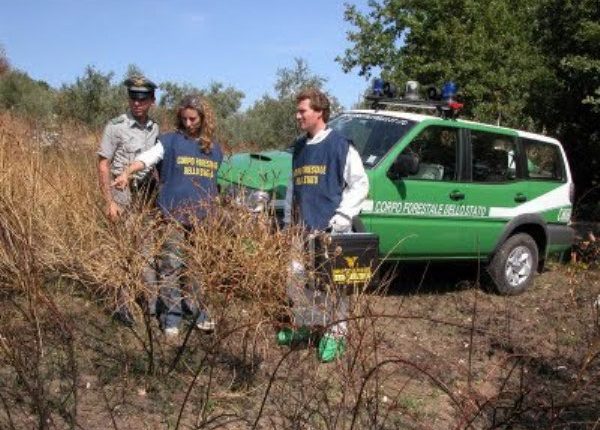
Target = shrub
(20,93)
(92,99)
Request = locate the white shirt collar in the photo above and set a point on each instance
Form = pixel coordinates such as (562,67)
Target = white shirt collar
(317,138)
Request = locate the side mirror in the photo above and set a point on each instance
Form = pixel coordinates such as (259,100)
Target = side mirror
(404,165)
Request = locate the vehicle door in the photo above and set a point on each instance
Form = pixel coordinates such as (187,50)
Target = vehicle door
(418,216)
(494,186)
(548,181)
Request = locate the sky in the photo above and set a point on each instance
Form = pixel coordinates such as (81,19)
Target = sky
(241,43)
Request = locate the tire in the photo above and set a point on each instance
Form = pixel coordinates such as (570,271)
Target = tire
(513,266)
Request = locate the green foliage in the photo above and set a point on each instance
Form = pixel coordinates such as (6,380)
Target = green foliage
(290,81)
(172,93)
(4,63)
(270,122)
(20,93)
(225,100)
(92,99)
(133,70)
(483,46)
(567,104)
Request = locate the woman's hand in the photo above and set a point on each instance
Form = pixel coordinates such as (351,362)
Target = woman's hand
(121,181)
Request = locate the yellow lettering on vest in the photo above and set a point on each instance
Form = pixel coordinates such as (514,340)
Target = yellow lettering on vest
(307,180)
(198,171)
(310,169)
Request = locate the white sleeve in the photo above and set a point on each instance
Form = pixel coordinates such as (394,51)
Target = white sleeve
(287,208)
(357,185)
(152,155)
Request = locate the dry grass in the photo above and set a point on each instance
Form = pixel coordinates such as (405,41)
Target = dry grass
(425,357)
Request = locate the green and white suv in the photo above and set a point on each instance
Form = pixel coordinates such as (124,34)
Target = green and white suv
(445,189)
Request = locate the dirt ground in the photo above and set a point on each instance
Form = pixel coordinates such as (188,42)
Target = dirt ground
(432,351)
(529,361)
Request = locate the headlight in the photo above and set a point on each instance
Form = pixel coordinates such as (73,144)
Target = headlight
(255,200)
(258,201)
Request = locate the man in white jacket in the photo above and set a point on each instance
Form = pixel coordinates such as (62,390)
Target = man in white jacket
(325,192)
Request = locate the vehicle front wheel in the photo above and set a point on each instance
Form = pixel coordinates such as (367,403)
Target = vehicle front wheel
(513,266)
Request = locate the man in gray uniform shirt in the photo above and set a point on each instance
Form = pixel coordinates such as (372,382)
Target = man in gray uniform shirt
(125,137)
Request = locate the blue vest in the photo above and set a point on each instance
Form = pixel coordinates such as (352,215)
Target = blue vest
(188,177)
(318,178)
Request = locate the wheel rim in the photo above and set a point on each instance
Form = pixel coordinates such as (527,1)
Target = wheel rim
(519,265)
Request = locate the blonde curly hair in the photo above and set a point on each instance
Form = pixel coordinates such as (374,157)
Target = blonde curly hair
(208,124)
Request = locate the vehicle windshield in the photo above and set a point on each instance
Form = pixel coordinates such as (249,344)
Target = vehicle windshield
(373,135)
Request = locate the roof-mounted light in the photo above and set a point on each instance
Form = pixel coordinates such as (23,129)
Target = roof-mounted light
(381,90)
(383,94)
(449,90)
(449,107)
(377,90)
(411,91)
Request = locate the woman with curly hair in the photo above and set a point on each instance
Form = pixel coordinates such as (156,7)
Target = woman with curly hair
(187,161)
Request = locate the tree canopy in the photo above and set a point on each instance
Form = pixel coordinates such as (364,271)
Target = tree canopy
(483,46)
(97,96)
(92,99)
(270,122)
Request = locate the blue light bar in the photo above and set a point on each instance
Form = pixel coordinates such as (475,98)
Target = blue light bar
(378,87)
(449,91)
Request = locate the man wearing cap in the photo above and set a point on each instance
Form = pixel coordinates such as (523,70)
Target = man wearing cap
(125,137)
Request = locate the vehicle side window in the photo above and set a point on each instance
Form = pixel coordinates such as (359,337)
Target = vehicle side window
(543,160)
(493,157)
(436,147)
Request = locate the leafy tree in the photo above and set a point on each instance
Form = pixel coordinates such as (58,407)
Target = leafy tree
(20,93)
(270,122)
(4,63)
(484,46)
(267,124)
(92,99)
(224,100)
(172,93)
(133,70)
(290,81)
(568,103)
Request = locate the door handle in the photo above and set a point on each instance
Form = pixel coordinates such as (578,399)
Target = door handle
(457,195)
(520,198)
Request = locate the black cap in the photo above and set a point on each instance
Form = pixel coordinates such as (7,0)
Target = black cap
(139,87)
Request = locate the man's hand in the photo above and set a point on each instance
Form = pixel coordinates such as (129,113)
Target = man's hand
(113,211)
(121,181)
(340,224)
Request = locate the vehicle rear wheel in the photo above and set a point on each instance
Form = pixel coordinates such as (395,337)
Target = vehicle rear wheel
(513,266)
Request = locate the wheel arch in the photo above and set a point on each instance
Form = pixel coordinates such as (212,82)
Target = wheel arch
(532,224)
